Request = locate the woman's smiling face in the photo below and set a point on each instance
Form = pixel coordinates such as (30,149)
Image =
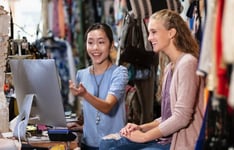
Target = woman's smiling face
(98,46)
(159,36)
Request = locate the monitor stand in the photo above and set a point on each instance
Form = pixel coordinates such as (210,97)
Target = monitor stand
(23,117)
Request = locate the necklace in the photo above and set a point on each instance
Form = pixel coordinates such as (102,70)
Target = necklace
(98,117)
(100,82)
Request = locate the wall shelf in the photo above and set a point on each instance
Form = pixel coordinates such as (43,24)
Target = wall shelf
(19,56)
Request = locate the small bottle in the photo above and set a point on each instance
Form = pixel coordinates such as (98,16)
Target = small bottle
(11,92)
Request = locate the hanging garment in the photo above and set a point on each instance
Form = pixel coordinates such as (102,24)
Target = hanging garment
(158,5)
(61,19)
(72,70)
(201,138)
(185,4)
(231,91)
(195,19)
(228,32)
(141,9)
(132,43)
(219,125)
(175,5)
(222,81)
(207,44)
(57,50)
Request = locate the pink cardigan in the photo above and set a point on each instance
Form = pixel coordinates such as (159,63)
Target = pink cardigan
(186,93)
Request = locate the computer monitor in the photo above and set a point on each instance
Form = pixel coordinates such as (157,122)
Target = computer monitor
(37,90)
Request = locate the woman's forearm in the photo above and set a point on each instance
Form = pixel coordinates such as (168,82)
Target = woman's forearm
(148,126)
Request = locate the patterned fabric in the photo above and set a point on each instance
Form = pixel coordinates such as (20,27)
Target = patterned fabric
(58,52)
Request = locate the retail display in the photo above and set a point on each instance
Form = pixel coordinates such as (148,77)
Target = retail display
(60,36)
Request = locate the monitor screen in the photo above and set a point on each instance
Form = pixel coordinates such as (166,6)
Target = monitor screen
(40,78)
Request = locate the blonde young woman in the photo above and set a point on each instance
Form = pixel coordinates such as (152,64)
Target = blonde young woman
(182,92)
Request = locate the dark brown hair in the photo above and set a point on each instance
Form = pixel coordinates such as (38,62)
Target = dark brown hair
(106,28)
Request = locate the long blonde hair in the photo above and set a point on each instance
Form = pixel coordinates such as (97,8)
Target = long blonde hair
(184,40)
